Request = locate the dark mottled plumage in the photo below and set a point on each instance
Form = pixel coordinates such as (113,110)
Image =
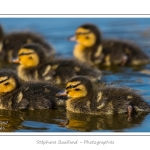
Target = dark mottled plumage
(12,42)
(30,95)
(108,52)
(57,70)
(101,100)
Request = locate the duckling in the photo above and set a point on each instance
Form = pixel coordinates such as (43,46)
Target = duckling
(30,95)
(10,43)
(33,66)
(84,97)
(95,51)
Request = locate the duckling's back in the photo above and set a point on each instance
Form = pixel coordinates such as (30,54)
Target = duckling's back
(124,53)
(61,70)
(36,95)
(117,100)
(12,42)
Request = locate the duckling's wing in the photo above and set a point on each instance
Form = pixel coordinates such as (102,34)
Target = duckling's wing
(23,104)
(43,103)
(123,52)
(98,55)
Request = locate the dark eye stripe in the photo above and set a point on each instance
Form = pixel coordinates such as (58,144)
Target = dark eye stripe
(72,86)
(77,89)
(83,33)
(7,83)
(25,54)
(3,80)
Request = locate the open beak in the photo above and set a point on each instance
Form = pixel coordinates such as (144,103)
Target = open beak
(61,94)
(72,38)
(15,61)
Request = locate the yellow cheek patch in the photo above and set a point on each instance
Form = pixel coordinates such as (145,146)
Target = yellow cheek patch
(28,58)
(77,92)
(8,85)
(85,37)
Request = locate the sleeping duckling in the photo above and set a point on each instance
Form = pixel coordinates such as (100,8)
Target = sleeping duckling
(34,67)
(30,95)
(95,51)
(12,42)
(84,97)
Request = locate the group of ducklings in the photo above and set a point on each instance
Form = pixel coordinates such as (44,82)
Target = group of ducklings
(36,82)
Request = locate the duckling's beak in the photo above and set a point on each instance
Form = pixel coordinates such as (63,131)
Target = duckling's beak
(15,60)
(72,38)
(61,94)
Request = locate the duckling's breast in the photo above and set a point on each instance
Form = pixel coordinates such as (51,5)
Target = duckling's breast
(78,106)
(80,53)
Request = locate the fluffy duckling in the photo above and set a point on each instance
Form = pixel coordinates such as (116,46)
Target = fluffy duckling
(30,95)
(95,51)
(11,43)
(84,97)
(33,66)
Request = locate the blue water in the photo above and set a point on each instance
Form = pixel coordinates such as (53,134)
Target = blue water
(56,31)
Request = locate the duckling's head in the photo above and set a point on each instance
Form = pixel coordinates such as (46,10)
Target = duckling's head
(87,35)
(31,55)
(78,87)
(8,81)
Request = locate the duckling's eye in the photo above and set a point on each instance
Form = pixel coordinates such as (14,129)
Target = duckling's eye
(30,57)
(77,89)
(87,37)
(6,83)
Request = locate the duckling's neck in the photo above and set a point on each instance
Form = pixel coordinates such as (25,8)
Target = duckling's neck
(79,52)
(78,105)
(87,54)
(27,74)
(82,105)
